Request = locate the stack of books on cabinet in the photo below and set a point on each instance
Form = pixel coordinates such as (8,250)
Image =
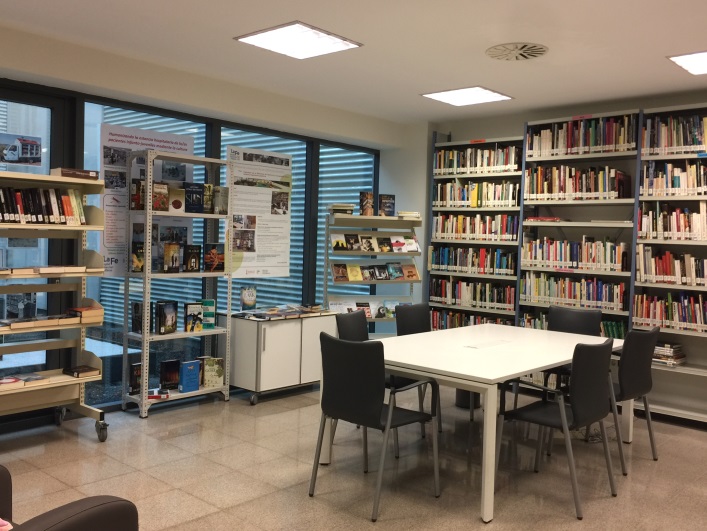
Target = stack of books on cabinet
(149,321)
(473,254)
(47,206)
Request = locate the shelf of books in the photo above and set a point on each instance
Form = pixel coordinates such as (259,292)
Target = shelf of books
(174,259)
(51,206)
(472,260)
(371,250)
(579,211)
(671,254)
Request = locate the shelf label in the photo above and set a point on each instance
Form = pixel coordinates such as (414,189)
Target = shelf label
(702,155)
(477,141)
(582,117)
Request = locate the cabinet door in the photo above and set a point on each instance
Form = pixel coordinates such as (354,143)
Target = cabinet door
(244,353)
(311,369)
(279,354)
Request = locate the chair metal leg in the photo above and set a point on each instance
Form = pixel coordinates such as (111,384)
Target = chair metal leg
(435,456)
(365,450)
(587,430)
(379,481)
(421,401)
(317,454)
(539,448)
(516,390)
(570,459)
(617,426)
(396,445)
(439,412)
(548,443)
(334,424)
(607,456)
(650,428)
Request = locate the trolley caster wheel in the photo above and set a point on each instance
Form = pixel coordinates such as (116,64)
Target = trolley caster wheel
(59,414)
(253,399)
(101,430)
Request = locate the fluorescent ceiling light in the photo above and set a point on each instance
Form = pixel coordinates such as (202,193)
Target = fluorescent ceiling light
(467,96)
(298,40)
(695,63)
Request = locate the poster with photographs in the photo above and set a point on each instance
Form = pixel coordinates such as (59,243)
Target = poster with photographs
(116,144)
(20,149)
(262,198)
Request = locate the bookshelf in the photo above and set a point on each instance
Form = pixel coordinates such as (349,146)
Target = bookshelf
(374,251)
(40,196)
(139,286)
(476,213)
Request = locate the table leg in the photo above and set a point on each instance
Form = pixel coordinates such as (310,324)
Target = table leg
(627,420)
(488,459)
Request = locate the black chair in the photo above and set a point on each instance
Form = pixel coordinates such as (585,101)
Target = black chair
(414,319)
(353,390)
(352,326)
(590,391)
(635,381)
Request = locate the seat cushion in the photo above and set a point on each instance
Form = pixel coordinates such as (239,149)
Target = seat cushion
(542,413)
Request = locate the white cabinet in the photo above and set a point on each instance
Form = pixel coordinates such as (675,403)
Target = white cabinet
(311,366)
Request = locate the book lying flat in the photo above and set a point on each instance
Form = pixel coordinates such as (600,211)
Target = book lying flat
(82,371)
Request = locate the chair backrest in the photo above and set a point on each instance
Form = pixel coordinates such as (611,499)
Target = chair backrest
(352,326)
(589,383)
(412,318)
(635,364)
(574,320)
(353,380)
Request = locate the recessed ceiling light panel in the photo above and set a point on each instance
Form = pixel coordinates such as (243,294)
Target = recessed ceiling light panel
(298,40)
(695,63)
(516,51)
(467,96)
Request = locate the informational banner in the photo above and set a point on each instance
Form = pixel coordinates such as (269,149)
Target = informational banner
(117,142)
(20,149)
(261,200)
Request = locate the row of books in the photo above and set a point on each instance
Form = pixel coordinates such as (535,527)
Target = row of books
(660,221)
(494,159)
(196,316)
(194,198)
(501,227)
(480,261)
(667,178)
(669,355)
(386,204)
(72,316)
(538,287)
(184,376)
(653,265)
(476,195)
(584,254)
(568,183)
(287,311)
(48,206)
(177,258)
(667,135)
(374,244)
(678,311)
(373,309)
(442,319)
(582,135)
(486,295)
(394,271)
(35,379)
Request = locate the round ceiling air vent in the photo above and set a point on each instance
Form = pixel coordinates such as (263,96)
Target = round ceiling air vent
(516,51)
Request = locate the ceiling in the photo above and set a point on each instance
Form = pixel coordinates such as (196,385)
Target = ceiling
(598,50)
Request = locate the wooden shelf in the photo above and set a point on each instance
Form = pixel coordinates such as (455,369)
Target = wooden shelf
(674,156)
(673,331)
(672,198)
(61,380)
(476,209)
(510,313)
(31,180)
(586,156)
(491,243)
(578,202)
(176,335)
(584,224)
(480,276)
(621,313)
(575,271)
(484,175)
(672,242)
(676,287)
(176,395)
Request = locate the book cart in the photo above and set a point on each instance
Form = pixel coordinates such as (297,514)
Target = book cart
(62,391)
(215,225)
(380,228)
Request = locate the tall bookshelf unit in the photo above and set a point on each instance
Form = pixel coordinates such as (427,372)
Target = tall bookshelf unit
(672,252)
(142,282)
(476,212)
(379,228)
(579,210)
(62,391)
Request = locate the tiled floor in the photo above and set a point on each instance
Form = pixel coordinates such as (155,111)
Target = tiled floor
(217,465)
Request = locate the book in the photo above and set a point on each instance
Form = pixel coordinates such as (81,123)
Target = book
(208,307)
(353,271)
(189,376)
(339,272)
(33,379)
(410,272)
(157,394)
(366,203)
(338,242)
(366,307)
(82,371)
(213,372)
(77,205)
(220,200)
(208,199)
(248,297)
(160,197)
(137,194)
(76,173)
(177,198)
(395,271)
(169,374)
(193,317)
(341,208)
(352,242)
(201,368)
(368,243)
(192,258)
(64,320)
(214,257)
(398,244)
(134,377)
(384,245)
(381,272)
(136,317)
(193,197)
(170,257)
(411,245)
(386,205)
(137,257)
(368,272)
(85,311)
(10,382)
(166,317)
(43,270)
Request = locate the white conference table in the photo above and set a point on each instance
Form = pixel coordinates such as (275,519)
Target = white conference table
(479,358)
